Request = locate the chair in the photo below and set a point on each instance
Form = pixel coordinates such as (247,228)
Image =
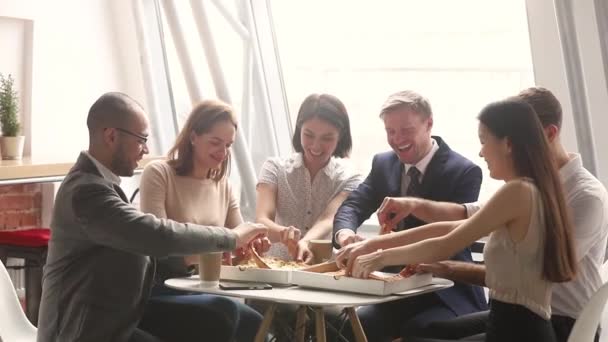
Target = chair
(587,323)
(14,326)
(30,245)
(134,195)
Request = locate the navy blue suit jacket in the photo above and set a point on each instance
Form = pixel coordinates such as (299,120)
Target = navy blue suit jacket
(449,177)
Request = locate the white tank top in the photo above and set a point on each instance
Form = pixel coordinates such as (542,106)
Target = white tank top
(514,269)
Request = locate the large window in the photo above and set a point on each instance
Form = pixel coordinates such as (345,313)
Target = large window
(461,55)
(227,44)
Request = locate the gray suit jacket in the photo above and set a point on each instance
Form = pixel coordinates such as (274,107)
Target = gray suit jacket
(98,272)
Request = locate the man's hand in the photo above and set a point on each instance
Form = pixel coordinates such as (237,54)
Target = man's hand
(457,271)
(347,236)
(442,269)
(261,245)
(303,253)
(347,255)
(246,232)
(393,210)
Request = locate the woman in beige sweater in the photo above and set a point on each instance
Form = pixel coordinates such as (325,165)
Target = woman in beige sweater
(192,186)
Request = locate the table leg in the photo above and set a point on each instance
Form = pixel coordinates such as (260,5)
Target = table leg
(300,323)
(320,324)
(265,326)
(356,324)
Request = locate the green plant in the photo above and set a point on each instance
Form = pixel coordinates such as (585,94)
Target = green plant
(9,107)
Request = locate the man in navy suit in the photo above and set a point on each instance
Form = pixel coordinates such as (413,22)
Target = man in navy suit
(420,165)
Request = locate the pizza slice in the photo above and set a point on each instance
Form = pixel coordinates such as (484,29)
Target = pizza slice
(268,262)
(406,272)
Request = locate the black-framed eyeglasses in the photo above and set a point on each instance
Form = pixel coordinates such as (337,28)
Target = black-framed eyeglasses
(143,140)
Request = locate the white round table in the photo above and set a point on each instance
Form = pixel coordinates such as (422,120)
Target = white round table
(315,298)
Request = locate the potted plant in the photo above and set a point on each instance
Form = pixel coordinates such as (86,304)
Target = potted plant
(11,144)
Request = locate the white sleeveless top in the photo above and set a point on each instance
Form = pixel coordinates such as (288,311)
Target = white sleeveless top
(514,269)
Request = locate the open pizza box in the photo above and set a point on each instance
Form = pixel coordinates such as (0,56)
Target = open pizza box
(263,269)
(327,276)
(240,273)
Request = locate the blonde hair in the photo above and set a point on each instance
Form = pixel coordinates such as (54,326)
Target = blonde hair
(409,100)
(200,121)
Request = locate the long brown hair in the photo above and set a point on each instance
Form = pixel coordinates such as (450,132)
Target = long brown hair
(517,121)
(200,121)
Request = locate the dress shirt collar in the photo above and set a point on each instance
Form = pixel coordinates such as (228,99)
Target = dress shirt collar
(424,162)
(105,172)
(298,162)
(571,167)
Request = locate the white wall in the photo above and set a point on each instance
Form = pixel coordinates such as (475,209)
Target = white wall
(16,37)
(81,49)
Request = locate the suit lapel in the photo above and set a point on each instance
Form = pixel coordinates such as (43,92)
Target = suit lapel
(84,164)
(394,179)
(120,192)
(435,168)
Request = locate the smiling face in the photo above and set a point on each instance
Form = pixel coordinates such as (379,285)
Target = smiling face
(130,148)
(210,149)
(496,153)
(319,140)
(408,133)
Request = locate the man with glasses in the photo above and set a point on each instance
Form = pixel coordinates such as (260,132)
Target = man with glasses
(98,273)
(143,140)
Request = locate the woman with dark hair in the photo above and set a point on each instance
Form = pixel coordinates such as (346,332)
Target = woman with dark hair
(298,196)
(530,244)
(192,186)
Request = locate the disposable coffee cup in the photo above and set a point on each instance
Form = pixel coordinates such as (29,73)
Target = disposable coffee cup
(321,250)
(209,267)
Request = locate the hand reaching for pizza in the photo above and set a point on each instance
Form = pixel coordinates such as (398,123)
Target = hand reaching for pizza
(364,265)
(302,252)
(393,210)
(261,245)
(290,237)
(347,255)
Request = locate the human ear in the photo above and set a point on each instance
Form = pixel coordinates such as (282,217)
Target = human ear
(551,132)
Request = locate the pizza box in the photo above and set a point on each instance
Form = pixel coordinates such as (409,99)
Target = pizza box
(274,276)
(315,279)
(281,277)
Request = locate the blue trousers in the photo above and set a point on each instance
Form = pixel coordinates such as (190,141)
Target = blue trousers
(181,316)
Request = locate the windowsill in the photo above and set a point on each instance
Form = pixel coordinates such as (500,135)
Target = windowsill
(39,170)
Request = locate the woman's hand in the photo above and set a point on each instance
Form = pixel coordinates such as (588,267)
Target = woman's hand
(364,265)
(303,253)
(346,256)
(290,237)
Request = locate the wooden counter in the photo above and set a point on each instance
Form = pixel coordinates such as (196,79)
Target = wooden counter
(36,170)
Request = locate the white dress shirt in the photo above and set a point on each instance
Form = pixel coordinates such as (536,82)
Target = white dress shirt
(421,165)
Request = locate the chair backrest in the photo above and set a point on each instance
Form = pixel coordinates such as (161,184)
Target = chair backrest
(604,321)
(14,325)
(587,323)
